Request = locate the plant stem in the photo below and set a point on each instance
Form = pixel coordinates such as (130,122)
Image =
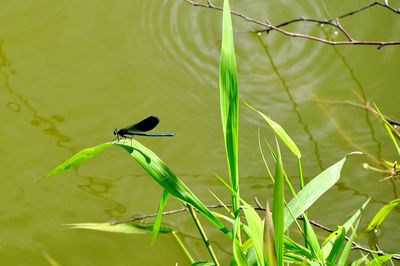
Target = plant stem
(183,247)
(203,234)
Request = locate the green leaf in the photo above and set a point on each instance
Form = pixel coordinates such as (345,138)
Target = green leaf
(229,102)
(293,247)
(238,252)
(80,157)
(348,246)
(278,209)
(281,133)
(380,260)
(313,191)
(381,214)
(295,258)
(203,263)
(340,234)
(359,261)
(160,172)
(389,129)
(312,240)
(328,244)
(126,228)
(157,221)
(256,226)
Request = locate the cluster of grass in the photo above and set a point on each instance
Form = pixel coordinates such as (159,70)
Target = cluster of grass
(258,238)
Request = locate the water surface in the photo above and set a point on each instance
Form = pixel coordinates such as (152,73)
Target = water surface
(72,71)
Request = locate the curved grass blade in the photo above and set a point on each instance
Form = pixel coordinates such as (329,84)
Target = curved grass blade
(280,132)
(348,246)
(229,106)
(157,221)
(156,168)
(79,157)
(121,228)
(381,214)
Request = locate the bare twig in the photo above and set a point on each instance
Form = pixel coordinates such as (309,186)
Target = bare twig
(332,22)
(258,207)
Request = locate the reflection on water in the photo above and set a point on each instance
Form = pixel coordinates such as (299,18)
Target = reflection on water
(163,56)
(17,102)
(295,106)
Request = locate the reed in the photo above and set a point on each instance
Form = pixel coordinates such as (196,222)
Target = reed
(258,238)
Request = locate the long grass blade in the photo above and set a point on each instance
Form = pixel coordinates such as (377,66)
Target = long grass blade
(160,172)
(157,221)
(278,209)
(256,227)
(229,102)
(79,158)
(121,228)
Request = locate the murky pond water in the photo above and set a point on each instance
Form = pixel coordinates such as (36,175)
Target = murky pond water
(72,71)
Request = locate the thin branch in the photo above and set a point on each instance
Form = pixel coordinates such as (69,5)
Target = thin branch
(332,22)
(376,3)
(258,207)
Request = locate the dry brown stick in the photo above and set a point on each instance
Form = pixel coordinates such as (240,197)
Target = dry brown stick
(279,29)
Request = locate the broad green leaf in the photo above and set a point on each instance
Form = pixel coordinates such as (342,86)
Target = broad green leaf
(160,172)
(229,103)
(381,214)
(126,228)
(157,221)
(281,133)
(256,226)
(80,157)
(278,209)
(313,191)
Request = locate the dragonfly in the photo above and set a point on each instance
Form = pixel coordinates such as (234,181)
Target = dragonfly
(140,128)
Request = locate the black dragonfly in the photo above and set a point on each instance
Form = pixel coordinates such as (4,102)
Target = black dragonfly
(139,128)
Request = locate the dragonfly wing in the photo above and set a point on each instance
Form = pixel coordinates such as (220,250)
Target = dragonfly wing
(145,125)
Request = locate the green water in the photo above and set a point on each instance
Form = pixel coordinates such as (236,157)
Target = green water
(72,71)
